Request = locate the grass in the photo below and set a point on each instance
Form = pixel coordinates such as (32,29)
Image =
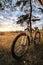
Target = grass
(33,57)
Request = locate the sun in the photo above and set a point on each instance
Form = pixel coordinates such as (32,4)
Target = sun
(11,28)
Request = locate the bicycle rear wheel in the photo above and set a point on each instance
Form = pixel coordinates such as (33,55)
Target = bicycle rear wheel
(20,46)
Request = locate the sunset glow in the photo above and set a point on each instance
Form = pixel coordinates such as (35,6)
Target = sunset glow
(8,18)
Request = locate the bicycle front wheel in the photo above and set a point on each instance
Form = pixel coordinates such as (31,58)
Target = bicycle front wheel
(20,46)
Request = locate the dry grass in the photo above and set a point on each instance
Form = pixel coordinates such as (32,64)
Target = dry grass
(6,58)
(5,48)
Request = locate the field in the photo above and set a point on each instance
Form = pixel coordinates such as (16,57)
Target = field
(33,57)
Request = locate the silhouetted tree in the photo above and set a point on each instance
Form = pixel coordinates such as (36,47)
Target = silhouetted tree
(28,16)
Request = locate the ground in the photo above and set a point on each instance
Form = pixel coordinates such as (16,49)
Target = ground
(33,57)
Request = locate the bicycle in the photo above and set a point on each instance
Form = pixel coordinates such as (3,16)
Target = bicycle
(22,43)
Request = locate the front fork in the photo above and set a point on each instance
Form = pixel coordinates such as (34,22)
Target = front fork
(24,39)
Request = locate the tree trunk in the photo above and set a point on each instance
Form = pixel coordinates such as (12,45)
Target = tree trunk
(30,19)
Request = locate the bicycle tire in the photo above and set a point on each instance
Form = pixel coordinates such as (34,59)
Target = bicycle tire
(35,39)
(13,45)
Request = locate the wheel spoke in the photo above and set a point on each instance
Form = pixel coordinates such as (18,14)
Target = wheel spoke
(21,45)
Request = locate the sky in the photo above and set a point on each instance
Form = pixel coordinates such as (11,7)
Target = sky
(8,18)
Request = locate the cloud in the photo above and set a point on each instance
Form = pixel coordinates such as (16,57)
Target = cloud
(8,19)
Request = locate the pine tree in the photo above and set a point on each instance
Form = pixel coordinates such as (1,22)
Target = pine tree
(28,16)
